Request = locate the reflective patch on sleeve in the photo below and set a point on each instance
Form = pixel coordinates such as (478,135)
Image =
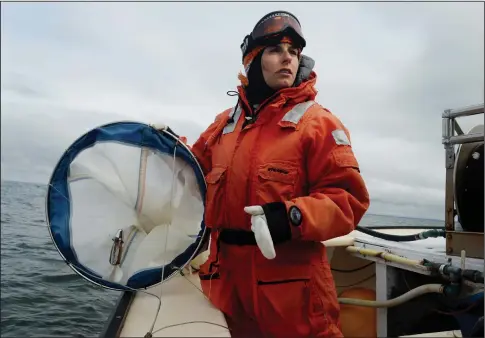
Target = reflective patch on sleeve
(340,137)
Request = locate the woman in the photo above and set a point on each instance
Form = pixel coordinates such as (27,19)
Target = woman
(281,177)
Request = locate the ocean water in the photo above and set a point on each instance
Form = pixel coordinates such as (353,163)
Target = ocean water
(40,294)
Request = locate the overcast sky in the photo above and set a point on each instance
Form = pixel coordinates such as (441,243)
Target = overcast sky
(387,70)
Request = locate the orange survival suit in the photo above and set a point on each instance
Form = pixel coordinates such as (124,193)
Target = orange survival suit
(295,153)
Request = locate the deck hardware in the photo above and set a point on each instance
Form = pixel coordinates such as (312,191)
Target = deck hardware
(116,248)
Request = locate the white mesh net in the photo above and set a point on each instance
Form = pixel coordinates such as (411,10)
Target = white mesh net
(132,209)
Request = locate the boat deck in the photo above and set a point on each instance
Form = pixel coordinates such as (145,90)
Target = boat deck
(185,311)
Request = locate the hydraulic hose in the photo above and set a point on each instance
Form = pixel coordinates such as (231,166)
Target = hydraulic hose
(388,257)
(432,233)
(403,227)
(455,274)
(419,291)
(473,276)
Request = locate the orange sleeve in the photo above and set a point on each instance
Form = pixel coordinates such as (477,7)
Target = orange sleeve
(338,197)
(202,149)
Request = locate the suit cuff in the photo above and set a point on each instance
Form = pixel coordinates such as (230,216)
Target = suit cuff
(278,221)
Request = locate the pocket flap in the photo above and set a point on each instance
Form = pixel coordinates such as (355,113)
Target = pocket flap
(284,274)
(215,175)
(278,172)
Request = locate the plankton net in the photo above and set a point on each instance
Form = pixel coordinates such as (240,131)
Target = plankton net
(125,203)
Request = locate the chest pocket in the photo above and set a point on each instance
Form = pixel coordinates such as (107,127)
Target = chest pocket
(276,182)
(215,201)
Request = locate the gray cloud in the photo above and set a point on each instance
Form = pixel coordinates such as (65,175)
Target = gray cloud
(34,139)
(387,70)
(18,84)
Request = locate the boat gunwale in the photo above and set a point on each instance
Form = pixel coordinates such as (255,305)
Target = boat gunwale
(416,253)
(116,319)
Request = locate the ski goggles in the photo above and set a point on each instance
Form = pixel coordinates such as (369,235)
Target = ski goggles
(271,26)
(276,23)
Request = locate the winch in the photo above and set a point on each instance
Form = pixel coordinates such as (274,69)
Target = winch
(464,187)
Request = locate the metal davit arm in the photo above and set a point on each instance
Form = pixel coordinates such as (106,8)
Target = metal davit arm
(450,126)
(465,111)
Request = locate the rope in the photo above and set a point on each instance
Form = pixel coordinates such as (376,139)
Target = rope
(166,240)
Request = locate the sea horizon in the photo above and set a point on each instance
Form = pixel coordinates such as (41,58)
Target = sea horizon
(368,213)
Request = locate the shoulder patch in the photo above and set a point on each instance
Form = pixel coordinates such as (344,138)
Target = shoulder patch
(340,137)
(344,157)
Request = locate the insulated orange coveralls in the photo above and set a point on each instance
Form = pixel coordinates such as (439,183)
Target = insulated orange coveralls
(296,152)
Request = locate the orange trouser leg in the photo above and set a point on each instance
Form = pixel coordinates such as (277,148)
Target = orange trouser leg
(290,301)
(242,326)
(292,305)
(295,310)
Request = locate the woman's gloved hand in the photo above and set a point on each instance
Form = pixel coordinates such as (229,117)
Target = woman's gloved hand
(270,225)
(159,126)
(162,126)
(259,225)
